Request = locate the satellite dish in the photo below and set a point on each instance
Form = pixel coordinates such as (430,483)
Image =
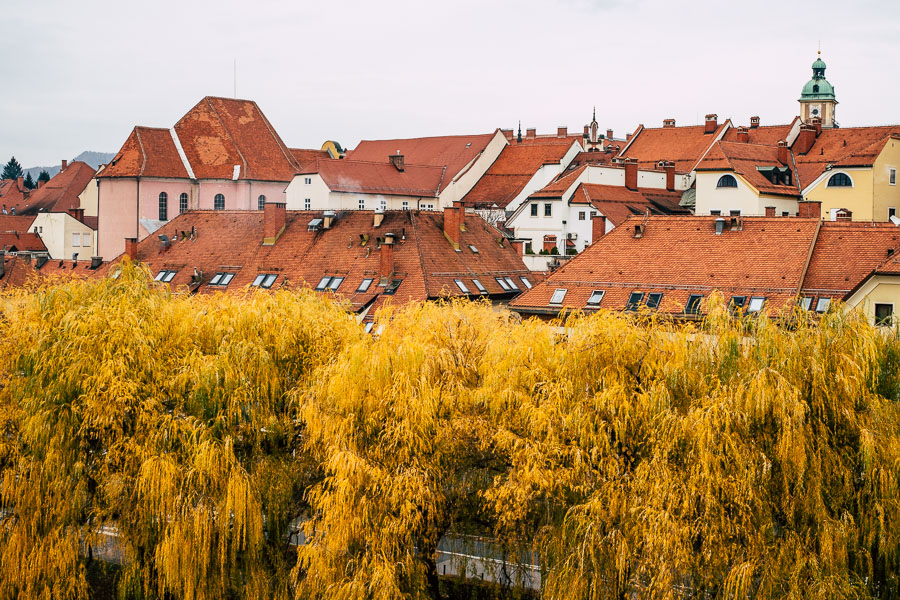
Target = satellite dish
(895,220)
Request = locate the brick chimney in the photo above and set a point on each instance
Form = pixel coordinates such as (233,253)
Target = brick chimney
(20,182)
(631,173)
(562,131)
(712,122)
(587,131)
(65,164)
(518,246)
(274,220)
(397,160)
(530,134)
(131,248)
(598,227)
(77,214)
(816,122)
(810,209)
(386,268)
(784,155)
(452,224)
(805,139)
(40,183)
(743,135)
(609,134)
(668,122)
(508,134)
(770,211)
(669,167)
(754,122)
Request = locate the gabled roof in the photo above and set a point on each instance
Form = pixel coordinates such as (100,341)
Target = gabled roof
(559,186)
(60,193)
(685,146)
(845,146)
(768,135)
(425,261)
(680,256)
(451,151)
(377,178)
(305,158)
(618,203)
(11,193)
(148,152)
(16,237)
(745,158)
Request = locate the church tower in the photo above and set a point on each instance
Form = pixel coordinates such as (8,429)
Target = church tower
(817,98)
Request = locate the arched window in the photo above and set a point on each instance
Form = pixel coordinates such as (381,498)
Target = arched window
(816,88)
(262,202)
(163,206)
(727,181)
(219,202)
(840,180)
(182,203)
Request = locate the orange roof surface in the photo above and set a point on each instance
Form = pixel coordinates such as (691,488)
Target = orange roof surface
(425,261)
(15,235)
(378,178)
(744,158)
(768,135)
(618,203)
(148,152)
(845,146)
(451,151)
(306,158)
(679,256)
(60,193)
(683,145)
(11,194)
(514,168)
(21,270)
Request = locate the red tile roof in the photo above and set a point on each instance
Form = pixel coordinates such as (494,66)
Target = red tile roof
(618,203)
(451,151)
(60,193)
(514,168)
(231,241)
(683,145)
(15,235)
(11,194)
(148,152)
(679,256)
(306,158)
(22,271)
(744,158)
(845,146)
(768,135)
(378,178)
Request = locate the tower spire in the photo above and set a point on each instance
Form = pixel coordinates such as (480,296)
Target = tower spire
(519,137)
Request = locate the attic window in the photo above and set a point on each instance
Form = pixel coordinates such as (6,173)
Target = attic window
(525,282)
(727,181)
(511,283)
(558,296)
(462,286)
(221,279)
(480,286)
(596,298)
(840,180)
(737,302)
(823,304)
(469,145)
(756,304)
(634,300)
(693,304)
(503,284)
(473,249)
(329,283)
(369,326)
(653,300)
(392,287)
(264,280)
(806,303)
(165,276)
(364,285)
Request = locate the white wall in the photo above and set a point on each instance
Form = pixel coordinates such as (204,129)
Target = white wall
(744,197)
(88,199)
(322,198)
(466,179)
(56,231)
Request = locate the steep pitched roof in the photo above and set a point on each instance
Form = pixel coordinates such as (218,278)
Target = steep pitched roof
(220,133)
(452,152)
(618,203)
(22,271)
(425,261)
(514,168)
(305,158)
(745,158)
(60,193)
(148,152)
(845,146)
(768,135)
(377,178)
(11,193)
(679,256)
(685,146)
(16,237)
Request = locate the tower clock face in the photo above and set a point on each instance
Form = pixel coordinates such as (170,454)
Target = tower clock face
(815,110)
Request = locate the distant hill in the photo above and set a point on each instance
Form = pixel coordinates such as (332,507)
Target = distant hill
(95,159)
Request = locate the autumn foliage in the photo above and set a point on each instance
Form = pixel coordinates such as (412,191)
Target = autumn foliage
(631,457)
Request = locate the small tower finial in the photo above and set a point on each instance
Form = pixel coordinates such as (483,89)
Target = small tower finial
(595,113)
(519,137)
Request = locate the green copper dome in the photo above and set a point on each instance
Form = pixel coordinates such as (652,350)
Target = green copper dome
(819,64)
(818,87)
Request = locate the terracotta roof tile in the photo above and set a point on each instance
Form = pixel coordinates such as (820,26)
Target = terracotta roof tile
(21,271)
(11,193)
(745,158)
(15,235)
(61,192)
(619,203)
(378,178)
(148,152)
(846,253)
(683,145)
(305,158)
(849,146)
(767,135)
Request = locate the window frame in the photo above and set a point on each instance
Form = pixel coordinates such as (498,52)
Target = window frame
(823,303)
(364,285)
(548,209)
(165,275)
(502,283)
(806,302)
(361,203)
(562,297)
(182,203)
(892,176)
(462,286)
(528,285)
(76,239)
(692,306)
(221,279)
(752,300)
(655,305)
(391,288)
(727,181)
(599,300)
(511,283)
(534,209)
(217,199)
(634,301)
(840,176)
(480,286)
(262,278)
(163,206)
(887,321)
(307,204)
(261,202)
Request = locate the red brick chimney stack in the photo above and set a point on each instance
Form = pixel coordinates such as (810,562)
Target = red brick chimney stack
(754,122)
(670,175)
(805,139)
(274,221)
(668,122)
(65,164)
(784,155)
(562,132)
(598,227)
(397,160)
(530,134)
(131,248)
(452,223)
(712,122)
(770,211)
(810,209)
(631,173)
(743,135)
(386,268)
(609,134)
(77,214)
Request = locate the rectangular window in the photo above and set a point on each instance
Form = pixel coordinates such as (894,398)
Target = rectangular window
(307,204)
(512,284)
(653,300)
(392,287)
(335,283)
(734,213)
(806,302)
(823,304)
(480,286)
(85,240)
(221,279)
(884,315)
(581,215)
(525,282)
(693,304)
(503,284)
(323,284)
(528,248)
(329,283)
(558,296)
(369,326)
(165,276)
(473,249)
(462,286)
(892,212)
(756,304)
(406,205)
(429,206)
(634,300)
(307,180)
(596,298)
(534,209)
(715,213)
(548,210)
(737,302)
(362,204)
(76,240)
(893,176)
(364,285)
(785,213)
(264,280)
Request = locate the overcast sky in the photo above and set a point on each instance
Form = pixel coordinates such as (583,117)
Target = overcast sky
(79,75)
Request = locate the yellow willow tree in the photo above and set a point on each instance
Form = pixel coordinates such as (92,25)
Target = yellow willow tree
(739,459)
(404,444)
(165,419)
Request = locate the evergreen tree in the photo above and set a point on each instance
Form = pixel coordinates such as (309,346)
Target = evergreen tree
(43,176)
(12,169)
(29,182)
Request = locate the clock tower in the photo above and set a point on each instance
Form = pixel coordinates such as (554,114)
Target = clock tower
(817,98)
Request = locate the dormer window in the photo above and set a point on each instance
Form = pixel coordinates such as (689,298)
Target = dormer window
(558,296)
(221,279)
(165,276)
(329,283)
(840,180)
(727,181)
(391,288)
(264,280)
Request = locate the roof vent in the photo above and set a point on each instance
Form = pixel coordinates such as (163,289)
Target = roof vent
(40,261)
(720,226)
(165,243)
(96,261)
(737,223)
(379,217)
(328,218)
(639,230)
